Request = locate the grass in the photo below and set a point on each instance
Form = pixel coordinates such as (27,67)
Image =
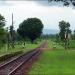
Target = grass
(28,47)
(51,44)
(55,62)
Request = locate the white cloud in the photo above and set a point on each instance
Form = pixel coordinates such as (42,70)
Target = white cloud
(50,16)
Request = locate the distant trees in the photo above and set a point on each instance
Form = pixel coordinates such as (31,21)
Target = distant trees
(30,28)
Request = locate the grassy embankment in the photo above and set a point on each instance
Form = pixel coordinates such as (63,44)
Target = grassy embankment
(55,62)
(17,48)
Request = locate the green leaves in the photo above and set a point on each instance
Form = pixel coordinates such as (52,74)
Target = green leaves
(2,31)
(64,28)
(65,2)
(2,21)
(31,28)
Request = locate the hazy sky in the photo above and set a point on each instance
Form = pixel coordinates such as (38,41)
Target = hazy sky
(49,15)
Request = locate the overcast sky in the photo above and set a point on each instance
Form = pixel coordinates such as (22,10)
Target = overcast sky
(49,15)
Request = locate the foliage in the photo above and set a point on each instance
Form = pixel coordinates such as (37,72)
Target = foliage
(64,29)
(18,47)
(65,2)
(2,31)
(30,28)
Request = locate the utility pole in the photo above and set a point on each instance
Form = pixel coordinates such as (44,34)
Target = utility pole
(12,33)
(12,19)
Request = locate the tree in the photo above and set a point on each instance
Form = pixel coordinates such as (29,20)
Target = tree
(64,32)
(30,28)
(64,29)
(2,31)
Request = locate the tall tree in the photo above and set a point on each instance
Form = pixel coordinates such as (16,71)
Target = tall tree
(64,29)
(2,24)
(65,32)
(31,28)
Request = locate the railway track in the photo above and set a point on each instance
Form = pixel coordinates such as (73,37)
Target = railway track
(10,68)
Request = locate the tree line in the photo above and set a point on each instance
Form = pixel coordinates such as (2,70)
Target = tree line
(30,28)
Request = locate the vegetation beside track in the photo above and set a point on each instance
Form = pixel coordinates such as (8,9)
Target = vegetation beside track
(55,62)
(5,54)
(18,47)
(70,46)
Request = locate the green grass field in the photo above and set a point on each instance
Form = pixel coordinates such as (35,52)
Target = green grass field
(55,62)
